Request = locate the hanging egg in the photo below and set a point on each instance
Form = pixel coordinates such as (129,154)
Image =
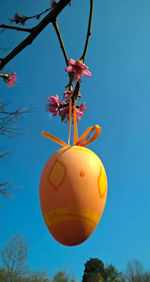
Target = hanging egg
(73,190)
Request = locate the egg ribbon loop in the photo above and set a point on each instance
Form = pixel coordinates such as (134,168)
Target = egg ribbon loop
(84,140)
(54,138)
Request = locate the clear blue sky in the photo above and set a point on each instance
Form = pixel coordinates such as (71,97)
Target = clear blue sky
(118,99)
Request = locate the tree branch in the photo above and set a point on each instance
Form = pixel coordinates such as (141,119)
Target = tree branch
(60,41)
(16,28)
(88,31)
(49,18)
(76,90)
(7,190)
(37,16)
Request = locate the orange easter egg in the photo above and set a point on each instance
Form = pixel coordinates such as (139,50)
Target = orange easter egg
(73,190)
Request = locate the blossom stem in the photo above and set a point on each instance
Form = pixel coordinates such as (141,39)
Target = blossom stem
(76,91)
(60,41)
(88,31)
(16,28)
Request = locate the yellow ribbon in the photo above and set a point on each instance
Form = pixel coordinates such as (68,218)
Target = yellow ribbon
(84,140)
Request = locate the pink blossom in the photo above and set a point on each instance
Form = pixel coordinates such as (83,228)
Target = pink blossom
(53,3)
(64,112)
(80,111)
(53,105)
(77,68)
(83,107)
(10,80)
(79,114)
(67,95)
(19,19)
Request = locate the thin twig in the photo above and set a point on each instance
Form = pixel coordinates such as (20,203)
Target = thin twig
(60,41)
(49,18)
(37,16)
(76,90)
(88,31)
(16,28)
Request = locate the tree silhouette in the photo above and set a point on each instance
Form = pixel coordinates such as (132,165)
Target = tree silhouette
(96,272)
(93,267)
(9,128)
(113,275)
(62,276)
(14,256)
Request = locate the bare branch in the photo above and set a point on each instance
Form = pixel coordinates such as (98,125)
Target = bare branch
(88,31)
(49,18)
(22,19)
(8,119)
(4,155)
(60,41)
(16,28)
(7,190)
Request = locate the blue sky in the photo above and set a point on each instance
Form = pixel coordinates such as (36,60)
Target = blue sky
(118,98)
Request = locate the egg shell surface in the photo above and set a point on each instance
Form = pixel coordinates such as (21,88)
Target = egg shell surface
(73,191)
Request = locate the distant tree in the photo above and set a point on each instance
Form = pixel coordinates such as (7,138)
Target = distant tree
(14,256)
(37,276)
(93,267)
(135,272)
(95,277)
(146,277)
(62,276)
(113,275)
(8,128)
(96,272)
(3,275)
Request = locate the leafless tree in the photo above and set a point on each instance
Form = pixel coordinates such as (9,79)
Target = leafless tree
(7,190)
(14,257)
(134,271)
(9,119)
(9,128)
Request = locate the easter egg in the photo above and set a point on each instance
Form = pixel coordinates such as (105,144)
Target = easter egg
(73,191)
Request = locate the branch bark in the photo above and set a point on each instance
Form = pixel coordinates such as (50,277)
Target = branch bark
(49,18)
(60,41)
(15,28)
(88,31)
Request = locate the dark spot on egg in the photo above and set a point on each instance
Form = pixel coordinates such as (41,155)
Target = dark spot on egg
(82,173)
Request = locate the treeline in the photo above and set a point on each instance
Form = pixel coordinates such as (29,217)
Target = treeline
(95,271)
(15,268)
(35,276)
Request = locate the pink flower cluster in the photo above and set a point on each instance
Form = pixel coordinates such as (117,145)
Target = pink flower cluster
(55,107)
(10,80)
(67,95)
(18,19)
(77,69)
(64,113)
